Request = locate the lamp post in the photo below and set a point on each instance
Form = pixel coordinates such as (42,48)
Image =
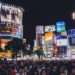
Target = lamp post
(73,15)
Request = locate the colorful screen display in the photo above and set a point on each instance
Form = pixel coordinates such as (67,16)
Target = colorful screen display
(10,14)
(14,30)
(50,28)
(40,29)
(5,29)
(62,42)
(17,31)
(60,26)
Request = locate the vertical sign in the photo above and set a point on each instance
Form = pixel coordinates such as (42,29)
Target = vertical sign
(60,26)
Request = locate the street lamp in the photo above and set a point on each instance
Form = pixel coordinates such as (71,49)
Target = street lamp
(73,15)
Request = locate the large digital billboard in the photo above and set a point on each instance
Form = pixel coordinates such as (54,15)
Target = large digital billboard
(49,42)
(50,28)
(10,14)
(13,30)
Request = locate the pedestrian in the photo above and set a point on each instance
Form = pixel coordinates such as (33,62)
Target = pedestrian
(22,71)
(12,71)
(73,71)
(43,72)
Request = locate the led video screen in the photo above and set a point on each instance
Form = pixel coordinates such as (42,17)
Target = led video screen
(10,14)
(62,49)
(14,30)
(50,28)
(17,31)
(5,29)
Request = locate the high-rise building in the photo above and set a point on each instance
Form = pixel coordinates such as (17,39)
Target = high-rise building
(10,23)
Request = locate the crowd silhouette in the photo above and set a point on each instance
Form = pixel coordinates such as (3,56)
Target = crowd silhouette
(40,67)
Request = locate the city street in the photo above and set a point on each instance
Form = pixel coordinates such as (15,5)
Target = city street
(37,37)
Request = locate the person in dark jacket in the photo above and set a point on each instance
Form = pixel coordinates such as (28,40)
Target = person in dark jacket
(34,71)
(4,70)
(54,71)
(43,72)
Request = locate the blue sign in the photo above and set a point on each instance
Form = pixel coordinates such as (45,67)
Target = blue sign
(60,26)
(72,41)
(62,49)
(60,23)
(71,32)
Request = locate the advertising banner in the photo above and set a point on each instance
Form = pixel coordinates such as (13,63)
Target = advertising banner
(48,36)
(40,29)
(62,42)
(73,51)
(60,26)
(49,43)
(39,39)
(4,42)
(62,49)
(17,31)
(64,33)
(5,29)
(10,14)
(50,28)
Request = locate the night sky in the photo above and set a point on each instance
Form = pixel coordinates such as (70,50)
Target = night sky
(43,12)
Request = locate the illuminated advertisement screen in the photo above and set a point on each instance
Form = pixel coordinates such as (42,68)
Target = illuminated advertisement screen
(5,29)
(5,13)
(40,29)
(48,36)
(0,10)
(11,14)
(62,42)
(73,51)
(62,49)
(16,15)
(11,30)
(60,26)
(71,32)
(72,41)
(39,39)
(17,31)
(3,42)
(50,28)
(39,36)
(64,33)
(48,40)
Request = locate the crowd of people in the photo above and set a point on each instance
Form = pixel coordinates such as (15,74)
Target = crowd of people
(40,67)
